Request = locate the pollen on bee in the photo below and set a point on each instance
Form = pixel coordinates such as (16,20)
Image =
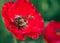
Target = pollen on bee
(30,17)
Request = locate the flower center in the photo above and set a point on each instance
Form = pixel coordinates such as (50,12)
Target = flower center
(58,42)
(21,22)
(58,32)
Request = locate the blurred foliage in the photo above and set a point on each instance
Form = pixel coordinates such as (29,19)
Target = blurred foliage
(49,9)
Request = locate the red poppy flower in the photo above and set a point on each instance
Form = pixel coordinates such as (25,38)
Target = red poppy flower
(22,19)
(52,32)
(55,42)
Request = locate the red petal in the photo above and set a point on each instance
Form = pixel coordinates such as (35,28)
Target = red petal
(50,33)
(23,8)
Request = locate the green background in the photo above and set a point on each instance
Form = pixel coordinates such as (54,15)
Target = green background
(49,9)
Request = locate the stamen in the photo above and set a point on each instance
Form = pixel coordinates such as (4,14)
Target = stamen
(58,32)
(21,22)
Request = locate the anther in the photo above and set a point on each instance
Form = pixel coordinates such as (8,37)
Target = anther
(21,22)
(58,32)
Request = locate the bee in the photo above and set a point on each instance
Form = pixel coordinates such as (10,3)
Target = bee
(30,16)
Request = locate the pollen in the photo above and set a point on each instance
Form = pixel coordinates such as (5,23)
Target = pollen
(58,32)
(21,22)
(30,17)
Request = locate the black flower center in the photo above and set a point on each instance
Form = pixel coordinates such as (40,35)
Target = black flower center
(21,22)
(58,32)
